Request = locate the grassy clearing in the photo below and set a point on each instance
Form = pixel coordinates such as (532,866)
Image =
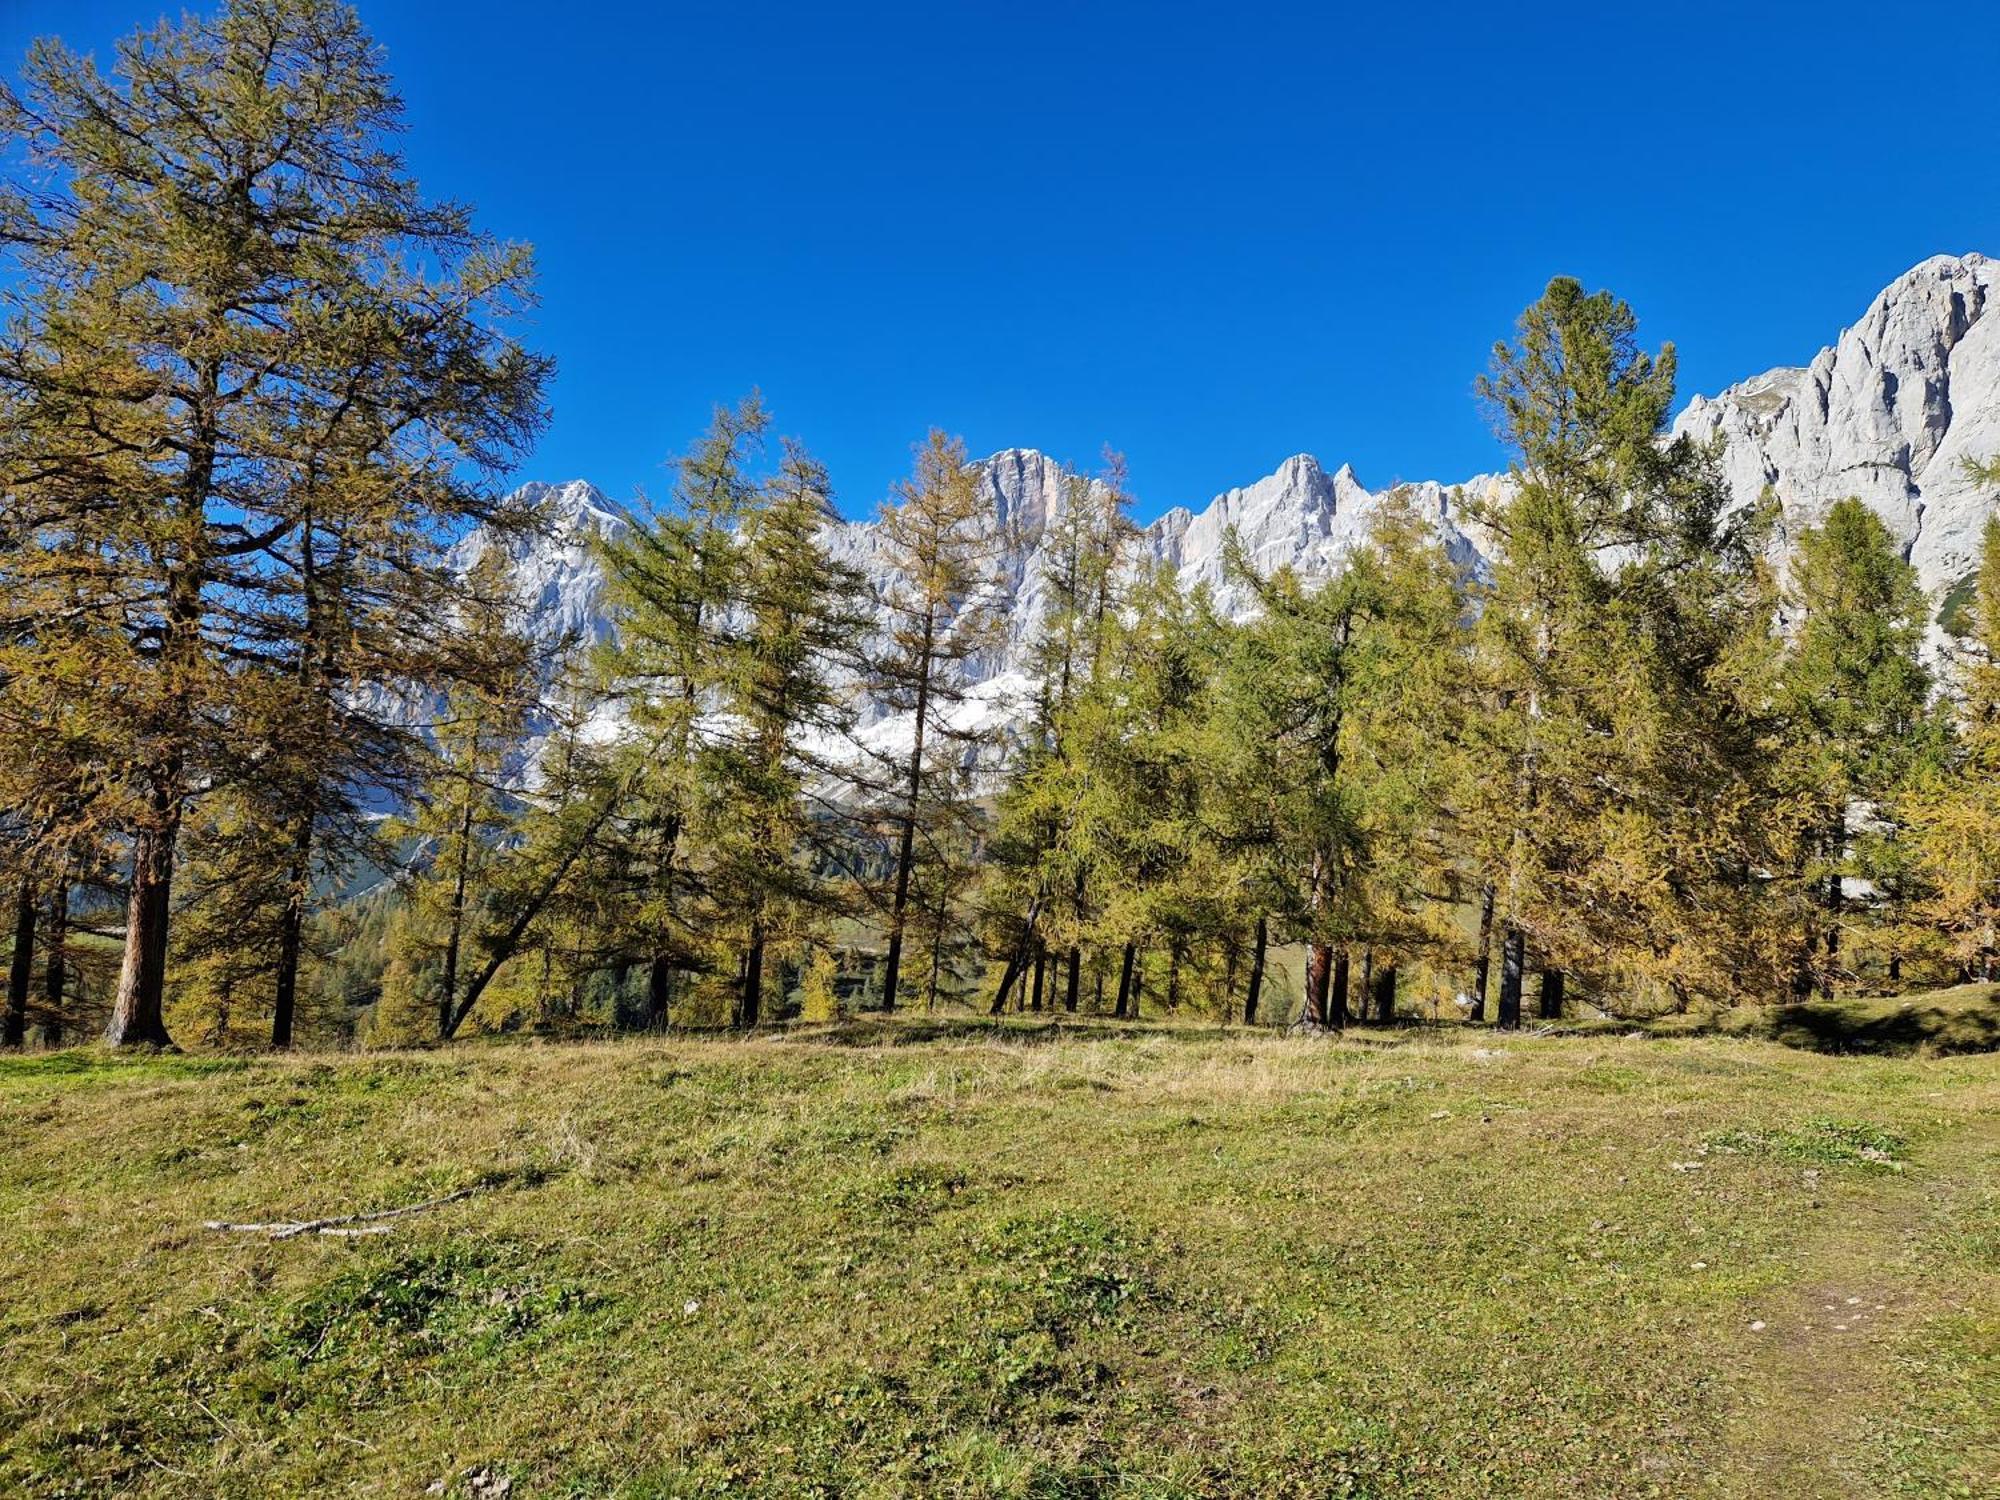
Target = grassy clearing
(1020,1261)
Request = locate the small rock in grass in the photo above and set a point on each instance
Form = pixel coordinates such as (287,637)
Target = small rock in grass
(692,1306)
(1756,1325)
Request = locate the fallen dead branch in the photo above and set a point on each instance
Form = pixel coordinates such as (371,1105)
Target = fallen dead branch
(343,1225)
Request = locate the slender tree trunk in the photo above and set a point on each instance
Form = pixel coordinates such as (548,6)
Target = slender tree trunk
(1895,968)
(1256,990)
(1041,969)
(912,795)
(136,1010)
(1513,950)
(1552,994)
(1174,979)
(1480,969)
(1385,994)
(1070,986)
(1337,997)
(291,932)
(55,960)
(1832,936)
(1366,990)
(1123,1012)
(1016,961)
(21,975)
(751,1010)
(455,931)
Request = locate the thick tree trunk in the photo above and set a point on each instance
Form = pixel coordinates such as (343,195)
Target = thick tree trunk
(1385,994)
(1481,968)
(1319,964)
(1513,951)
(1075,978)
(291,933)
(55,961)
(1256,990)
(1337,997)
(751,1010)
(136,1010)
(21,974)
(1125,984)
(659,992)
(1552,994)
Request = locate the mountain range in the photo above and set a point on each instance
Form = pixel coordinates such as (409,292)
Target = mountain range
(1890,412)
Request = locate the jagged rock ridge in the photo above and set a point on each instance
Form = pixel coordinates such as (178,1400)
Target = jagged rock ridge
(1890,412)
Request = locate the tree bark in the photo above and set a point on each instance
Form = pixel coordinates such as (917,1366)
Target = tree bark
(291,933)
(21,974)
(659,992)
(1385,994)
(55,961)
(1256,990)
(912,795)
(1337,997)
(1125,984)
(1319,963)
(1041,969)
(1826,974)
(1075,978)
(751,1010)
(1366,990)
(1481,969)
(454,936)
(1173,979)
(1016,961)
(1513,948)
(1552,994)
(136,1011)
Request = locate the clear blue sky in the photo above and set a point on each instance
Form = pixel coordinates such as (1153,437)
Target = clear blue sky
(1212,236)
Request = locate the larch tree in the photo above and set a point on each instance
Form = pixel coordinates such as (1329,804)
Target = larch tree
(670,584)
(1856,691)
(1622,771)
(234,321)
(938,543)
(1951,804)
(766,809)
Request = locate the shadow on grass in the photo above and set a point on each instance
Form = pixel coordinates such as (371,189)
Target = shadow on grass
(1961,1020)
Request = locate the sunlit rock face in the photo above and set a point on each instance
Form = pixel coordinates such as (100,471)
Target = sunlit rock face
(1890,413)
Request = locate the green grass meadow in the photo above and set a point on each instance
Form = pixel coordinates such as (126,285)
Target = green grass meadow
(1021,1259)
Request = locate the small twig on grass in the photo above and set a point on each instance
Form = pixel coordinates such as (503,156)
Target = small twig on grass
(338,1224)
